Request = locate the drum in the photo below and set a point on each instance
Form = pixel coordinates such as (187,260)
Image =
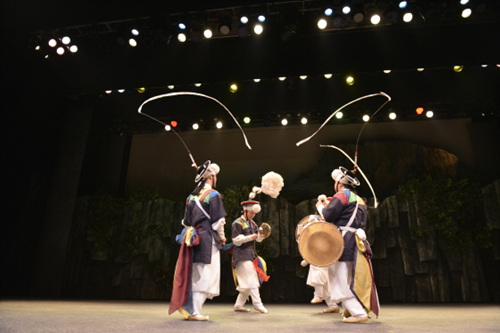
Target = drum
(320,243)
(305,222)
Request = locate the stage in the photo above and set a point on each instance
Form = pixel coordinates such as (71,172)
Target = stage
(150,316)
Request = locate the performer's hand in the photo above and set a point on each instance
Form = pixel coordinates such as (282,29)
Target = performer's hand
(223,240)
(255,236)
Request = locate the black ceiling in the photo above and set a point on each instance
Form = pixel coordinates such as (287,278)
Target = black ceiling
(435,45)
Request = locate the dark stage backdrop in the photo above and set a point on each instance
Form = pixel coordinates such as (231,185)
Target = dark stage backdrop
(160,161)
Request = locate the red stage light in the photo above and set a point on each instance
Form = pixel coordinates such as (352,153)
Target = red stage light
(419,110)
(173,123)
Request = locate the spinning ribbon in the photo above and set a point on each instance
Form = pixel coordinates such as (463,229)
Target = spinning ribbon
(355,161)
(188,93)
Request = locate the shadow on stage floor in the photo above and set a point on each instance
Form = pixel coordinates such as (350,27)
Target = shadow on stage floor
(150,316)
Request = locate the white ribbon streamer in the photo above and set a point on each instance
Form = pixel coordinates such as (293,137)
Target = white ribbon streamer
(358,168)
(190,93)
(342,107)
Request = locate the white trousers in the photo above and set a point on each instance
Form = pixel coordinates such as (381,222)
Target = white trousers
(243,296)
(248,284)
(205,281)
(340,277)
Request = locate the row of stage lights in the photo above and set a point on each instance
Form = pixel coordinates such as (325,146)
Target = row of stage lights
(331,18)
(233,87)
(303,120)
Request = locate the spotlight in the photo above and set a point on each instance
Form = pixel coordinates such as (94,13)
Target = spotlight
(420,69)
(429,114)
(66,40)
(328,76)
(466,13)
(403,4)
(170,86)
(303,77)
(303,121)
(322,23)
(387,71)
(224,29)
(328,12)
(358,17)
(121,91)
(207,33)
(134,32)
(132,42)
(244,20)
(168,128)
(284,122)
(182,26)
(60,50)
(408,17)
(141,90)
(181,37)
(366,118)
(349,80)
(458,69)
(108,92)
(196,126)
(219,125)
(197,85)
(339,115)
(233,88)
(346,10)
(246,120)
(256,80)
(419,110)
(52,42)
(392,115)
(261,18)
(258,29)
(375,19)
(73,48)
(174,123)
(464,2)
(282,78)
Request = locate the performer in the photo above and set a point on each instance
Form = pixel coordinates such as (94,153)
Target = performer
(347,211)
(206,214)
(245,234)
(318,279)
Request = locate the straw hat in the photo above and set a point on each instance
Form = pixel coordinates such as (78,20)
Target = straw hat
(206,170)
(345,176)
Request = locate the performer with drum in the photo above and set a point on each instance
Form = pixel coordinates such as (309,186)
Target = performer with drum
(318,275)
(347,211)
(245,233)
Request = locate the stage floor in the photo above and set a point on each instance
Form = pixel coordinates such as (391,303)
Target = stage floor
(149,316)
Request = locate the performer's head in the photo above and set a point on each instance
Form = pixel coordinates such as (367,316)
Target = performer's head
(250,209)
(344,179)
(206,174)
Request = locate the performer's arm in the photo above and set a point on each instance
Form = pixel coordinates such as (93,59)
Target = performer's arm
(240,239)
(335,207)
(219,227)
